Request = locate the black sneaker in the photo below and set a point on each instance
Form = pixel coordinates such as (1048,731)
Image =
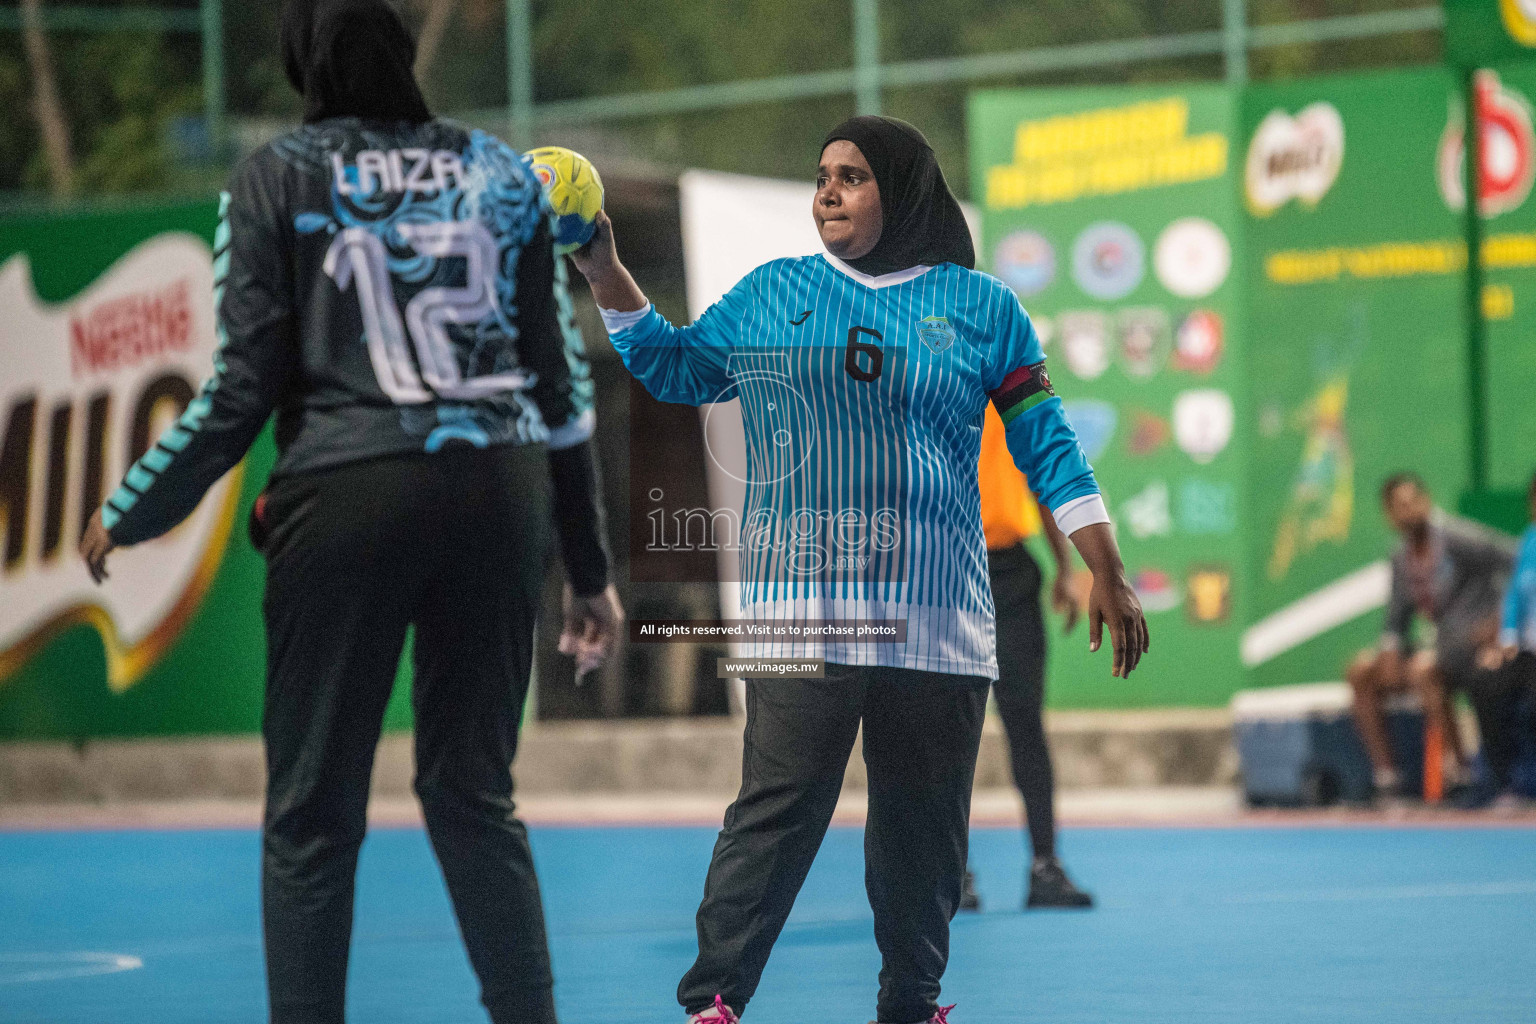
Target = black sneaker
(970,899)
(1050,887)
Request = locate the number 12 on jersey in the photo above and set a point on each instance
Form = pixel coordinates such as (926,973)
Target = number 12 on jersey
(357,258)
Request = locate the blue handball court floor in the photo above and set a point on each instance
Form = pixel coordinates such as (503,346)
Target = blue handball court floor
(1237,925)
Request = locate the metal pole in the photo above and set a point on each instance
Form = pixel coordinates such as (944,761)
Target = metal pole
(212,29)
(1477,327)
(866,55)
(520,73)
(1234,27)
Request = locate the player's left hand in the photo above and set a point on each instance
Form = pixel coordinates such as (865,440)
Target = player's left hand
(591,628)
(95,544)
(1064,600)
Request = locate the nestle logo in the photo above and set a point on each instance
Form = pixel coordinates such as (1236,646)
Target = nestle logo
(135,328)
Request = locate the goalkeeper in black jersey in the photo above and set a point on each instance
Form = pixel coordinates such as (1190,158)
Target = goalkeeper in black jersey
(386,284)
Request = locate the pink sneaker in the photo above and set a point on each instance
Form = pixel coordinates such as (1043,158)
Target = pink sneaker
(717,1014)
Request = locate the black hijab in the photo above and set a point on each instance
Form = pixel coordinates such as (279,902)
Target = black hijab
(922,222)
(351,58)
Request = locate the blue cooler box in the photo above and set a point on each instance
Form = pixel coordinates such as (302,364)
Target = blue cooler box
(1299,748)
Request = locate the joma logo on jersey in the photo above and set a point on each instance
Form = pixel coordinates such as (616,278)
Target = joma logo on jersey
(936,332)
(411,169)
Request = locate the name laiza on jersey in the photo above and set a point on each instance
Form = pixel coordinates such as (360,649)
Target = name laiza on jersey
(410,169)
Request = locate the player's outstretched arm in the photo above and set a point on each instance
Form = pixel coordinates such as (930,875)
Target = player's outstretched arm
(255,357)
(612,286)
(676,364)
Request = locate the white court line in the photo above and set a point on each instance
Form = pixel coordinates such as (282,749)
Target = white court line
(59,966)
(1398,892)
(1345,598)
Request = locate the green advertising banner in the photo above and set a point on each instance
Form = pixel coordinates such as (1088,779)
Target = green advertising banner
(1356,285)
(1482,32)
(108,330)
(1113,214)
(1504,97)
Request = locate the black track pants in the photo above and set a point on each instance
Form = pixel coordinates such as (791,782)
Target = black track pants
(453,544)
(921,733)
(1020,688)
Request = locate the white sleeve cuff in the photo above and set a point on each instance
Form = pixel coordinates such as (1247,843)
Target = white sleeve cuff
(1080,512)
(615,321)
(1508,637)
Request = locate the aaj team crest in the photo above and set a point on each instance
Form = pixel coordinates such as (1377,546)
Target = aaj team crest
(936,332)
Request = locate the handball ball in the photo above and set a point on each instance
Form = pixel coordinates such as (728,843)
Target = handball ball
(574,190)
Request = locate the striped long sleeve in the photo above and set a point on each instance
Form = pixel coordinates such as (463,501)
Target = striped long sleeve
(256,353)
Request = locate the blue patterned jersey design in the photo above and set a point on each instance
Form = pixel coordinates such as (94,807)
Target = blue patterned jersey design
(383,289)
(863,411)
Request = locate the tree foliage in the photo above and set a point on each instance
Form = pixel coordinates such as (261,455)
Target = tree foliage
(122,92)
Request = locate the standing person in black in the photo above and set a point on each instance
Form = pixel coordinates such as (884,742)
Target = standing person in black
(1011,519)
(386,283)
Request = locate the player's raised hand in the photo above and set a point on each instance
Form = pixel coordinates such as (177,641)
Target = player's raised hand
(598,256)
(95,544)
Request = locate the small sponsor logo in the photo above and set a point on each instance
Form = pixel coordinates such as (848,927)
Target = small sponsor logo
(1210,594)
(1147,513)
(1108,260)
(1198,343)
(1294,158)
(1508,150)
(1094,423)
(1145,337)
(1202,422)
(1519,18)
(1156,590)
(1025,261)
(936,332)
(1085,343)
(803,317)
(1192,257)
(1207,507)
(1149,433)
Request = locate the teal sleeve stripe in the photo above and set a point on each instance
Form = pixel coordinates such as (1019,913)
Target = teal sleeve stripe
(123,500)
(139,478)
(156,460)
(144,473)
(176,438)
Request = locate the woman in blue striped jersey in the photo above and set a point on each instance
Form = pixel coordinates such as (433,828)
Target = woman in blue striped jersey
(863,374)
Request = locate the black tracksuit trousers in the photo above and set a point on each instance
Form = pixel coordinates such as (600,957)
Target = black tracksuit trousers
(452,543)
(921,734)
(1020,688)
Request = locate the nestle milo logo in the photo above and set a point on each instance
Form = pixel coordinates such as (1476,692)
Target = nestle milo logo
(89,384)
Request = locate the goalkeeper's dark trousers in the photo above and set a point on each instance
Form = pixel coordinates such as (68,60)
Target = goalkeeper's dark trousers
(921,734)
(452,544)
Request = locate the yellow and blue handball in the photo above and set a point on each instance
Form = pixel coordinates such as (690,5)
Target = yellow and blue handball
(573,190)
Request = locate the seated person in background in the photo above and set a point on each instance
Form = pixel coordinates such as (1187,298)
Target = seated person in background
(1511,663)
(1452,573)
